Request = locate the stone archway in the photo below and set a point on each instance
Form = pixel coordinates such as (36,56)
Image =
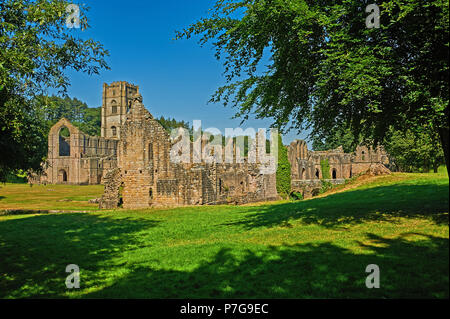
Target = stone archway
(334,173)
(62,176)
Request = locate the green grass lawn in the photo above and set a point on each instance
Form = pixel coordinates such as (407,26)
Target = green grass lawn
(49,197)
(316,248)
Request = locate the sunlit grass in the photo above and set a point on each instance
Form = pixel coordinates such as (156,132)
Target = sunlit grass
(48,197)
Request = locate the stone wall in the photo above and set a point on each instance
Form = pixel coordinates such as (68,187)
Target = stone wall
(111,197)
(150,178)
(306,165)
(306,168)
(78,158)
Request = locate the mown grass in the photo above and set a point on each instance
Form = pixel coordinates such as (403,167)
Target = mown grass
(316,248)
(48,197)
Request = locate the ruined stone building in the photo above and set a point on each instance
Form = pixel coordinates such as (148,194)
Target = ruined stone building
(307,166)
(77,158)
(145,175)
(132,160)
(81,159)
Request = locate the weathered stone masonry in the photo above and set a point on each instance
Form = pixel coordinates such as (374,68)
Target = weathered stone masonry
(306,169)
(132,160)
(149,178)
(78,159)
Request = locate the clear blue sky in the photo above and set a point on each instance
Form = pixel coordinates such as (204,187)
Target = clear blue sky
(176,78)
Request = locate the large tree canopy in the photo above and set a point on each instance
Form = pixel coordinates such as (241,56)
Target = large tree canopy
(326,68)
(36,49)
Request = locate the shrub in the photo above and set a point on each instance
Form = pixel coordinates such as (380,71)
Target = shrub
(283,170)
(16,178)
(296,196)
(325,166)
(326,186)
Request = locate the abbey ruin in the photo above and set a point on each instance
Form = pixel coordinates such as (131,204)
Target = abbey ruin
(132,159)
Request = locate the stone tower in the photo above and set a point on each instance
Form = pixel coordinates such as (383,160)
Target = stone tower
(117,99)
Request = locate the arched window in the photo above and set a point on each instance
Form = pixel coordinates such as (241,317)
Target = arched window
(334,173)
(363,156)
(64,141)
(114,131)
(113,107)
(317,173)
(303,176)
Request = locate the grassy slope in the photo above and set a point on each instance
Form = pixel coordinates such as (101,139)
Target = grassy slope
(316,248)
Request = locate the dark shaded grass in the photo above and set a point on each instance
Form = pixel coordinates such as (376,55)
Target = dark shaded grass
(35,251)
(300,271)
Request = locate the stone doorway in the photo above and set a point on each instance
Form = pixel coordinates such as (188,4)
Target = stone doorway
(62,176)
(334,173)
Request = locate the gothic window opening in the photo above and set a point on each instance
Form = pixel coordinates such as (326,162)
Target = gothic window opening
(64,141)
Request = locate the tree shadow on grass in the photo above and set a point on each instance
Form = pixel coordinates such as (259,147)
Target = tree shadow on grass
(408,269)
(356,206)
(34,251)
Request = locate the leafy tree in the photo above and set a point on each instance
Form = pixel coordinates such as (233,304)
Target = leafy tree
(338,136)
(92,121)
(283,170)
(415,151)
(36,49)
(171,123)
(326,68)
(53,108)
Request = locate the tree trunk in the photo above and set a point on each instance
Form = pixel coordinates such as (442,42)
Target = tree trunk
(443,134)
(435,167)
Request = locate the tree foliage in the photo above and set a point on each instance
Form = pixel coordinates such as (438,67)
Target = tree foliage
(170,123)
(325,68)
(53,108)
(338,136)
(325,167)
(283,174)
(414,152)
(36,50)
